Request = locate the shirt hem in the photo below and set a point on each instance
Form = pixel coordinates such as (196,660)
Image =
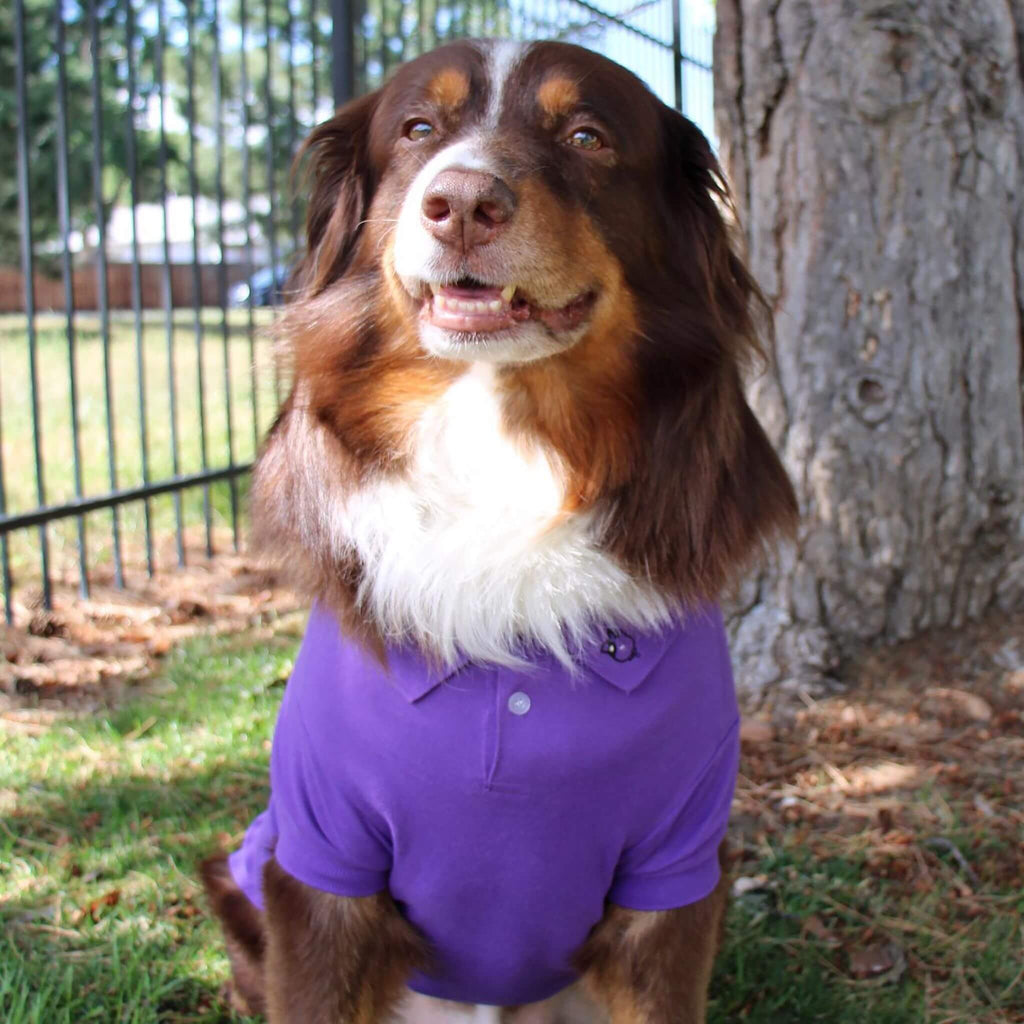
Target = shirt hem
(667,892)
(424,985)
(352,886)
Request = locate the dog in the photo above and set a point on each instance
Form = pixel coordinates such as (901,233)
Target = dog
(515,471)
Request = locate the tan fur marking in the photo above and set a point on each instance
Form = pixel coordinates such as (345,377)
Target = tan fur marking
(653,967)
(558,96)
(580,402)
(333,958)
(449,88)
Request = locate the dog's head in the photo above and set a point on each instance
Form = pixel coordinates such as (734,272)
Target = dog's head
(517,198)
(536,208)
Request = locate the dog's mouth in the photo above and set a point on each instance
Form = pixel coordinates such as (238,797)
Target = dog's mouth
(471,307)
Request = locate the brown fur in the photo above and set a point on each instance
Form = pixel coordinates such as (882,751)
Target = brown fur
(321,959)
(334,959)
(244,934)
(649,967)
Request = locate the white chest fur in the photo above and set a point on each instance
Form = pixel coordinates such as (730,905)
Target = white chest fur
(469,550)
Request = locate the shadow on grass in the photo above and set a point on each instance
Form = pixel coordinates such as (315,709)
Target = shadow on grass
(107,922)
(102,913)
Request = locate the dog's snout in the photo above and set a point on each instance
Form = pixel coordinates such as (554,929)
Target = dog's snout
(467,208)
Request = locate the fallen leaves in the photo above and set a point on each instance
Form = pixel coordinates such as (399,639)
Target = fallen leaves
(753,730)
(956,705)
(95,908)
(90,821)
(816,928)
(912,777)
(84,654)
(883,963)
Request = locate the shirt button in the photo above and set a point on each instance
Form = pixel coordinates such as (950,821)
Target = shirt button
(519,703)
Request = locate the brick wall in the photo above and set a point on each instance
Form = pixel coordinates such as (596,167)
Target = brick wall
(50,290)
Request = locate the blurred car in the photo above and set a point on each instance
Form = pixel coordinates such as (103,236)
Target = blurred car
(266,286)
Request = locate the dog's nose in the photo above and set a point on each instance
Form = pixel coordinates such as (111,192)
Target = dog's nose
(467,208)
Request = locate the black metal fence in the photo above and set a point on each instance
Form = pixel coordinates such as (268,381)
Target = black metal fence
(146,225)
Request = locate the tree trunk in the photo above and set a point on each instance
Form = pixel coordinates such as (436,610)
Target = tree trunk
(877,152)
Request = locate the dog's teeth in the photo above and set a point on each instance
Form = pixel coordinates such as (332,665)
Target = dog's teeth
(435,288)
(494,306)
(441,302)
(507,292)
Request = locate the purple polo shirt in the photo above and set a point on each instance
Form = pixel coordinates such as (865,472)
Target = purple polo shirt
(502,807)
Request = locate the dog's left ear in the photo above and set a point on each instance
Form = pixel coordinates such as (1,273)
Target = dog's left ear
(705,246)
(708,488)
(336,163)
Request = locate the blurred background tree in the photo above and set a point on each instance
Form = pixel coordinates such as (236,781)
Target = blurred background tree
(43,90)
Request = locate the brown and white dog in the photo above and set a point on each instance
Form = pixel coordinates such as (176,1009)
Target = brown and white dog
(517,407)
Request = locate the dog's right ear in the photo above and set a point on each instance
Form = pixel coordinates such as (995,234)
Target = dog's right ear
(341,182)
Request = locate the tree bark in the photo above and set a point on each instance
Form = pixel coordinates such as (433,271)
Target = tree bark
(877,153)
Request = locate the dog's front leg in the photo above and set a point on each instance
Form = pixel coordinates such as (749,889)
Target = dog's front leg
(334,959)
(653,967)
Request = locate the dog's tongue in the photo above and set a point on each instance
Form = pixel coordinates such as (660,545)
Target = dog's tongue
(476,309)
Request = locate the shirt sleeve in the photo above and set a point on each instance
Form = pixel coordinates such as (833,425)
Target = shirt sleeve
(676,863)
(326,839)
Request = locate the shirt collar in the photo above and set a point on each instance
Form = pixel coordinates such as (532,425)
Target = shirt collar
(623,658)
(414,674)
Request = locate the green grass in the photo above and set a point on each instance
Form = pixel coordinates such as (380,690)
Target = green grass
(125,804)
(54,404)
(126,801)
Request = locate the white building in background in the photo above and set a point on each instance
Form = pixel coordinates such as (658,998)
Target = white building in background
(149,222)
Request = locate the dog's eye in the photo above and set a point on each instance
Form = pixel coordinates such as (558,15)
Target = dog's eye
(586,138)
(417,130)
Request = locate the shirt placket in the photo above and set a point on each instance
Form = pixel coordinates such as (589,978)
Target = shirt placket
(492,729)
(510,700)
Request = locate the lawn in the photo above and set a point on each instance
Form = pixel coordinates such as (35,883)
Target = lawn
(227,366)
(892,896)
(103,822)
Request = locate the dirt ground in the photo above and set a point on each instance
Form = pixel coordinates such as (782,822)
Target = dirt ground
(86,654)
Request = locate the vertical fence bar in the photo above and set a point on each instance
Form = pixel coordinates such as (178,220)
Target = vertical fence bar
(268,102)
(343,63)
(168,281)
(67,274)
(5,558)
(677,51)
(314,49)
(243,31)
(197,281)
(101,275)
(27,272)
(383,52)
(140,356)
(222,276)
(293,208)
